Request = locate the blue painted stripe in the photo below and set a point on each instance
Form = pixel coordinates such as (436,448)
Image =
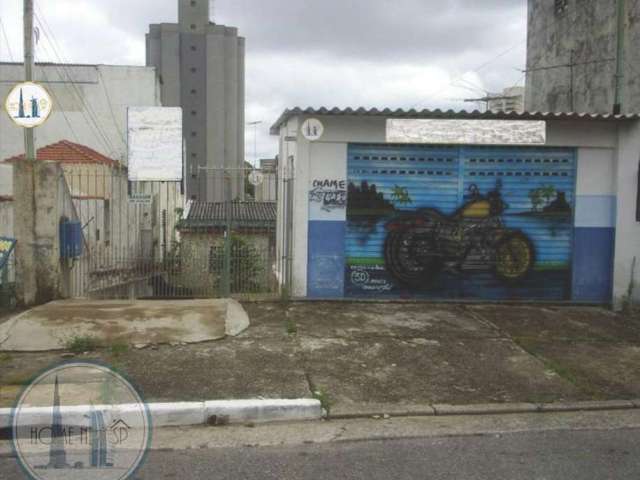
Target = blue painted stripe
(596,211)
(593,264)
(325,275)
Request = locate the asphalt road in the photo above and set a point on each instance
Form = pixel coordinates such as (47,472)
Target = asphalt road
(562,455)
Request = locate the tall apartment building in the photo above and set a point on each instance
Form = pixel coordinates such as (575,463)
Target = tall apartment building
(573,52)
(201,69)
(510,100)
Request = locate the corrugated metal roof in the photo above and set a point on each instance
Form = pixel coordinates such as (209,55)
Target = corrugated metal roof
(243,214)
(445,114)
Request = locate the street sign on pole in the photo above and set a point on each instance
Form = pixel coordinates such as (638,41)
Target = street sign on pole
(28,105)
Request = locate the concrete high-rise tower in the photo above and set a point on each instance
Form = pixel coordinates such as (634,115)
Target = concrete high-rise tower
(201,69)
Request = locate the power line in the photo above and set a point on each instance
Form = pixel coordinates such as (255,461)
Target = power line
(6,40)
(75,89)
(568,65)
(57,101)
(88,120)
(92,117)
(110,103)
(475,70)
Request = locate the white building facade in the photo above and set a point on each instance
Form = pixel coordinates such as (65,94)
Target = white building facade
(366,218)
(90,105)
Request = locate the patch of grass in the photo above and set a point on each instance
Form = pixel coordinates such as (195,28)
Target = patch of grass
(292,326)
(5,358)
(325,401)
(118,348)
(529,345)
(82,343)
(18,379)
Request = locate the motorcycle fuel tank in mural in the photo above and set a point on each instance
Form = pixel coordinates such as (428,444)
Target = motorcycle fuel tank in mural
(459,222)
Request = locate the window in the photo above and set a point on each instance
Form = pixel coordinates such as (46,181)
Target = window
(194,69)
(561,6)
(193,48)
(194,113)
(193,91)
(193,26)
(194,3)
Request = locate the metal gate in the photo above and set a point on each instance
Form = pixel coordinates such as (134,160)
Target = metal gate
(460,222)
(147,240)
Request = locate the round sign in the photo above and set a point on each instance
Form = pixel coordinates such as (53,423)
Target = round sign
(28,105)
(312,129)
(256,178)
(80,420)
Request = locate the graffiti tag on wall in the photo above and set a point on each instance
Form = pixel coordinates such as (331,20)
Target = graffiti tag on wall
(331,194)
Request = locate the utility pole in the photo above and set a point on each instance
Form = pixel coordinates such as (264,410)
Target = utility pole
(29,138)
(621,34)
(255,141)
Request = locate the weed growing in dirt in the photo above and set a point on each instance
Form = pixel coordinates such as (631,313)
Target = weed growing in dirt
(82,343)
(119,348)
(323,397)
(292,327)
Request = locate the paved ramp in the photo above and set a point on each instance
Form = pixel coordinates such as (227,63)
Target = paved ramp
(52,326)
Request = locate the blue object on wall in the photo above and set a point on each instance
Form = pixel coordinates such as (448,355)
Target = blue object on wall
(325,277)
(593,252)
(70,239)
(6,247)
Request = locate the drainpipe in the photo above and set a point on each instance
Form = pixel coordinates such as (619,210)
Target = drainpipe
(621,30)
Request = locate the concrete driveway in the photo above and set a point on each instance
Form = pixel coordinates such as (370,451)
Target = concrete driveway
(387,357)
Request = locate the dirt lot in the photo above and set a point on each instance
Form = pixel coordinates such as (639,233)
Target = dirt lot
(367,356)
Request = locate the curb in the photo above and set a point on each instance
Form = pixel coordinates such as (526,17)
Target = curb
(489,409)
(184,414)
(228,412)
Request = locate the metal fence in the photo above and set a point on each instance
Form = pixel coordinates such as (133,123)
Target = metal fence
(8,284)
(151,240)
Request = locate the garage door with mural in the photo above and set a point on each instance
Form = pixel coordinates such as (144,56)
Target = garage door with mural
(459,222)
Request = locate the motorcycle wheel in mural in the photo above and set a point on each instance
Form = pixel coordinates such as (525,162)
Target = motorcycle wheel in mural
(421,244)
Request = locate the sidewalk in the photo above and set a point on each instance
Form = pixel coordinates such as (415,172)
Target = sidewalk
(366,357)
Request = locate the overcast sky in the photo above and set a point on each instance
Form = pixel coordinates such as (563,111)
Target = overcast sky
(372,53)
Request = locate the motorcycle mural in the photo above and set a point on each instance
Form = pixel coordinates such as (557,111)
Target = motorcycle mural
(421,244)
(446,222)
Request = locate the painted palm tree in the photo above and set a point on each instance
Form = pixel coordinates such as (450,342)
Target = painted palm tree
(401,195)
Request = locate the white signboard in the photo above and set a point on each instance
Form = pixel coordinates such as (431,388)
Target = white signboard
(155,143)
(28,105)
(471,132)
(312,129)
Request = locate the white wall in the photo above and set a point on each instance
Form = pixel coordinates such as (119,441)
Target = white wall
(627,228)
(82,95)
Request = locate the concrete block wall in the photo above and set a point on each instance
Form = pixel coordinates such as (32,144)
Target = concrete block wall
(585,33)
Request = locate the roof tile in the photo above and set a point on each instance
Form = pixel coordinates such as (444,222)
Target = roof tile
(65,151)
